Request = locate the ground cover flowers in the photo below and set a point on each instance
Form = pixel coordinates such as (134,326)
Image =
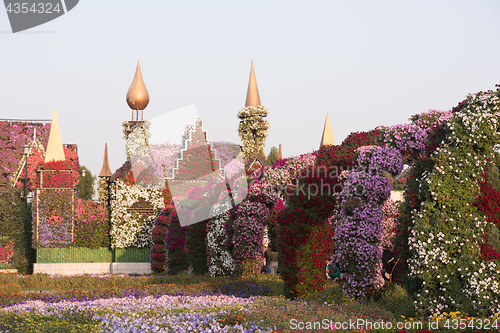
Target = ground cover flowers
(166,313)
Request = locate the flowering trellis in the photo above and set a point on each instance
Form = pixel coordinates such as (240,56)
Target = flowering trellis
(358,226)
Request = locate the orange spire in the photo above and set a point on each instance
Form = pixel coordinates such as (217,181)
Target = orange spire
(105,171)
(253,98)
(280,154)
(137,95)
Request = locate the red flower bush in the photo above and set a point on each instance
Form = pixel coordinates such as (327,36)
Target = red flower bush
(489,204)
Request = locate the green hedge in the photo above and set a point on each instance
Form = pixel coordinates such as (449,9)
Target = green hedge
(86,255)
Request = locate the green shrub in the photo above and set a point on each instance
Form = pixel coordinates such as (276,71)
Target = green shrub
(15,224)
(176,245)
(197,247)
(395,299)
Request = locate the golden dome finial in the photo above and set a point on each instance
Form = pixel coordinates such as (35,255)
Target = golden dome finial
(253,98)
(137,95)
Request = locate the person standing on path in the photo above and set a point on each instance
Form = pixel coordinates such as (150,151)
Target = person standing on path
(272,259)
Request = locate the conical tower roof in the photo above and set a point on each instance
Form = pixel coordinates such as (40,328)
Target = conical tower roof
(280,154)
(55,151)
(105,171)
(327,137)
(253,98)
(137,95)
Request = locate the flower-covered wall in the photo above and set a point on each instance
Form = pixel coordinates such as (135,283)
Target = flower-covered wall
(133,210)
(447,233)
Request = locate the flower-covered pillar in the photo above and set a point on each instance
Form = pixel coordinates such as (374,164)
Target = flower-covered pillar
(358,226)
(219,259)
(253,127)
(304,235)
(249,231)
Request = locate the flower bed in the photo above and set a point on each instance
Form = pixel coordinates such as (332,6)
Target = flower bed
(148,314)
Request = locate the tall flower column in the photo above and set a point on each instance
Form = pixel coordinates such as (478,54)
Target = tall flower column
(358,226)
(253,127)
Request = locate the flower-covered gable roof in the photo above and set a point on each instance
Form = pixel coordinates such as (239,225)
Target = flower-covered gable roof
(13,135)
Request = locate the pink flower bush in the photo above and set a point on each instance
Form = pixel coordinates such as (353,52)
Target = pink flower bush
(410,138)
(390,218)
(248,238)
(6,251)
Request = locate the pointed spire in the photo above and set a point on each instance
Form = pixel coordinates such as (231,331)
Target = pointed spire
(327,137)
(137,95)
(280,154)
(253,98)
(105,171)
(55,151)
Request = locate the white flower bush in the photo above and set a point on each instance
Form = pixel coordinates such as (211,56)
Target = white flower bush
(128,229)
(220,261)
(445,221)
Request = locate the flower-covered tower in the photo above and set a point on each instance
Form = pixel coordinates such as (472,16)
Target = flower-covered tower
(55,195)
(133,204)
(136,131)
(253,127)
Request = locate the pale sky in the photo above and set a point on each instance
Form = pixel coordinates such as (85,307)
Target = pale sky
(367,63)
